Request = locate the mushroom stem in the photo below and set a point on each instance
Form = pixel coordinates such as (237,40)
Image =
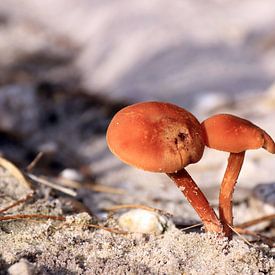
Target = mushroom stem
(234,165)
(198,200)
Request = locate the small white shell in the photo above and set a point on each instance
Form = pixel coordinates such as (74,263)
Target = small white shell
(23,267)
(143,221)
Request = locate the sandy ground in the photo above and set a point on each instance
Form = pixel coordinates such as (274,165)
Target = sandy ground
(72,247)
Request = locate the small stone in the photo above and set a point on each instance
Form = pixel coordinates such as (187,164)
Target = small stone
(71,174)
(23,267)
(143,221)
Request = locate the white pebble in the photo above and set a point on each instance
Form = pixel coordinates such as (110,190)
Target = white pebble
(143,221)
(23,267)
(71,174)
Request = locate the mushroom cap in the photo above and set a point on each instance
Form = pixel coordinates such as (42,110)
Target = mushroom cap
(233,134)
(156,136)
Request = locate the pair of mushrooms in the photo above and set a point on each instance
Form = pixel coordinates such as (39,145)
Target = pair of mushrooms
(162,137)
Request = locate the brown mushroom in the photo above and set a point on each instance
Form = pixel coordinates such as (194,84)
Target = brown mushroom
(235,135)
(162,137)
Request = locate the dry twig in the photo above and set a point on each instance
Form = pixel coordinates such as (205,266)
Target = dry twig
(16,203)
(191,226)
(31,216)
(256,221)
(34,162)
(105,189)
(53,185)
(234,229)
(94,187)
(259,236)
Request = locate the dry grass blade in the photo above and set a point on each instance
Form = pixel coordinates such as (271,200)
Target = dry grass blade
(256,221)
(239,234)
(34,162)
(93,187)
(53,185)
(264,239)
(14,172)
(68,183)
(105,189)
(16,203)
(31,216)
(130,206)
(191,226)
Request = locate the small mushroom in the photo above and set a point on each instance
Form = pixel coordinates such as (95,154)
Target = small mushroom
(162,137)
(235,135)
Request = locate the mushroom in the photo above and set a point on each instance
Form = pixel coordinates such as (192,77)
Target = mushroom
(162,137)
(235,135)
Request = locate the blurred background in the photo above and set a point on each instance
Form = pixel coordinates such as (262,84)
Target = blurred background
(67,66)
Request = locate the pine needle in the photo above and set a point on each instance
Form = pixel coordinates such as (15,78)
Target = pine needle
(93,187)
(264,239)
(34,162)
(105,189)
(16,203)
(52,185)
(256,221)
(31,216)
(191,226)
(239,234)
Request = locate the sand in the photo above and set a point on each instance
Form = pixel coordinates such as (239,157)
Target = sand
(72,247)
